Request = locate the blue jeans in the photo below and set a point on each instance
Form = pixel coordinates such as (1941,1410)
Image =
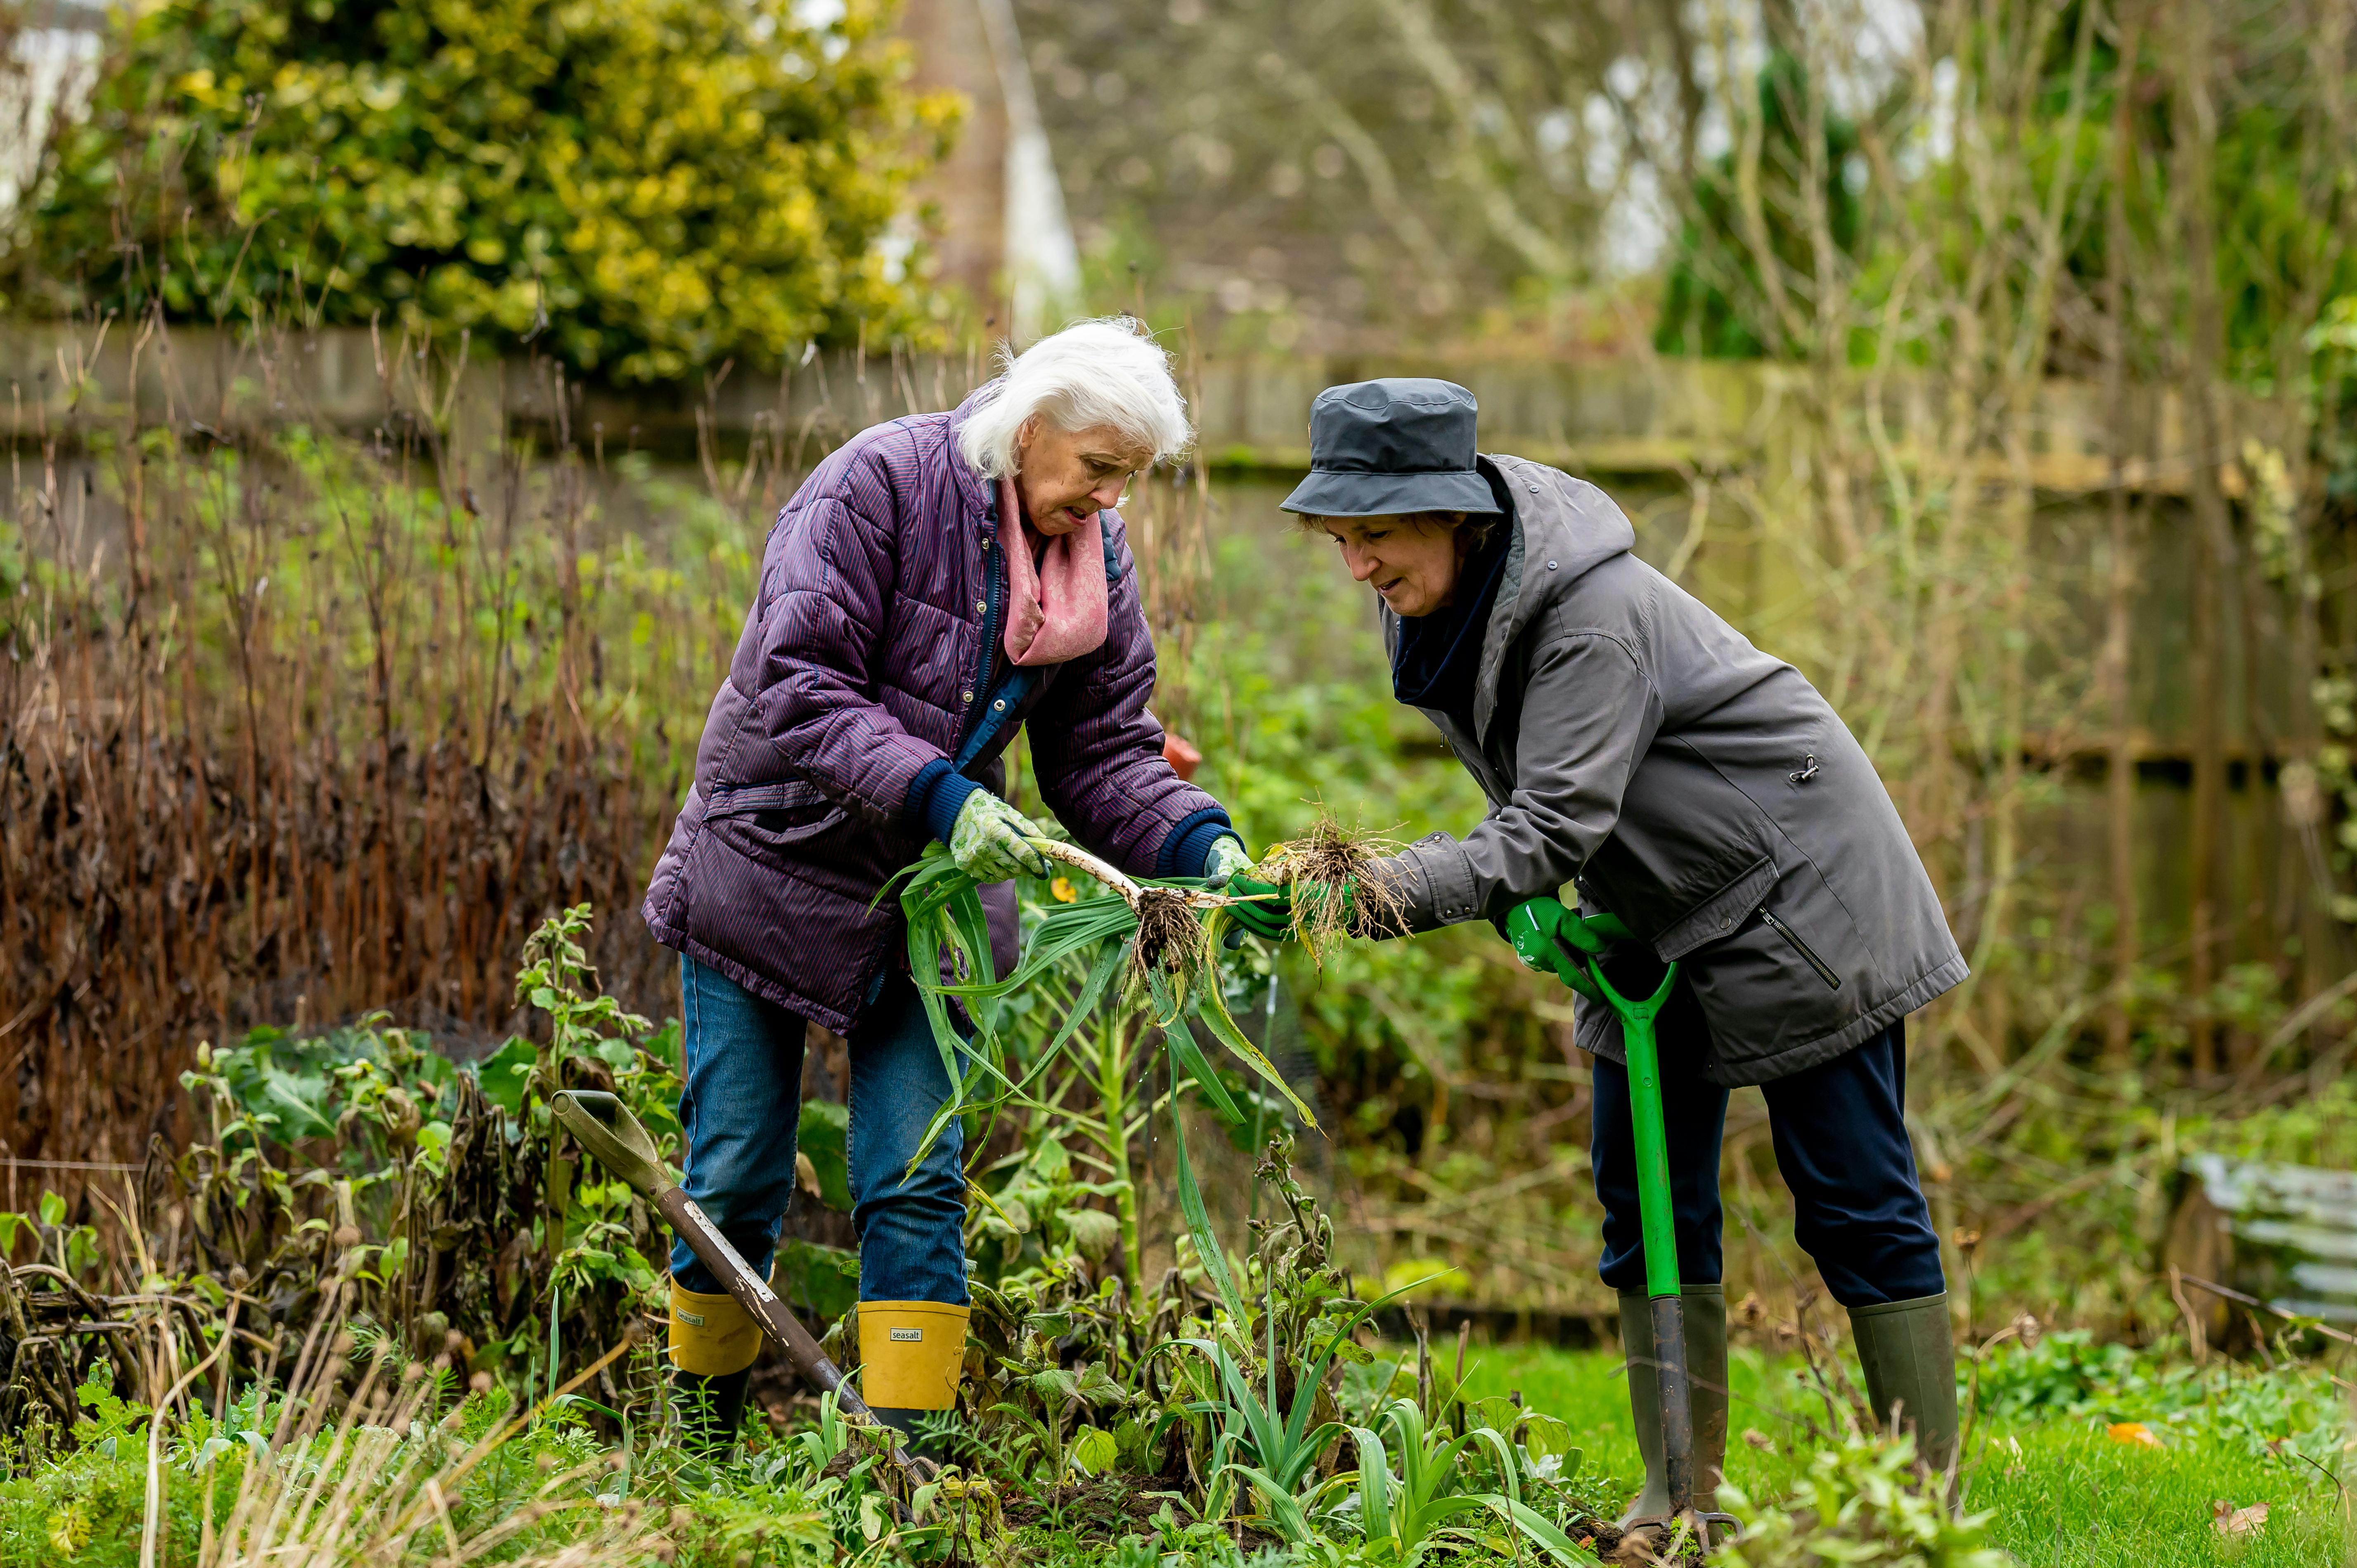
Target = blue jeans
(741,1103)
(1841,1145)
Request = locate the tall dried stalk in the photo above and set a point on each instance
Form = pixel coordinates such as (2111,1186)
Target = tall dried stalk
(298,724)
(373,1478)
(2195,127)
(2120,579)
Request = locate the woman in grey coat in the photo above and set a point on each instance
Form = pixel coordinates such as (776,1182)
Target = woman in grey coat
(1634,745)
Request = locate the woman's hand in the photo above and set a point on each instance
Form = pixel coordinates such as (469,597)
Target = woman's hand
(991,840)
(1269,916)
(1228,856)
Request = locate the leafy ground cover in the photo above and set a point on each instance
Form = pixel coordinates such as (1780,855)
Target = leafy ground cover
(388,1313)
(2053,1483)
(2060,1491)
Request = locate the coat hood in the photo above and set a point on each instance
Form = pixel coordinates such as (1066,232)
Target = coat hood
(1564,529)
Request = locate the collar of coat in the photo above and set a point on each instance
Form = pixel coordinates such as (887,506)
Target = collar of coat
(977,497)
(1564,529)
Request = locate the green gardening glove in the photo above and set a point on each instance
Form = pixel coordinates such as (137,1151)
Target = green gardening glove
(991,840)
(1551,939)
(1272,917)
(1269,916)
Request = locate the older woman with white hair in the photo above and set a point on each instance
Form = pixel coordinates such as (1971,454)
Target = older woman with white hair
(937,583)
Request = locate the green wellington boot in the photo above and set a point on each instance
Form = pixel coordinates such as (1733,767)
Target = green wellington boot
(1706,1315)
(1908,1350)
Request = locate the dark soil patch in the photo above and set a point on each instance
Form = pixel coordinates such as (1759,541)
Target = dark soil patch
(1109,1506)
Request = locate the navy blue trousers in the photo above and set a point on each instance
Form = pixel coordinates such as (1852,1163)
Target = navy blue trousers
(1841,1145)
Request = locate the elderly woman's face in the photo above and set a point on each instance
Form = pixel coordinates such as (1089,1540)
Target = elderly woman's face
(1412,562)
(1066,476)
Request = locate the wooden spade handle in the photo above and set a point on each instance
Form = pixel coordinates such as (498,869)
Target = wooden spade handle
(604,1126)
(728,1265)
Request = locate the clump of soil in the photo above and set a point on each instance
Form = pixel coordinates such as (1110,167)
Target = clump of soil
(1170,938)
(1330,874)
(1105,1509)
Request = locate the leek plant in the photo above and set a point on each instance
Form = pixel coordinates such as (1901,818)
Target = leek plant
(1147,952)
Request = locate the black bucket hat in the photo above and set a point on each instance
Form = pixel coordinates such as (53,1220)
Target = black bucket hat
(1402,444)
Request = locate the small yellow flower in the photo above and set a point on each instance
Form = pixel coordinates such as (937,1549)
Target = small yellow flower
(1063,889)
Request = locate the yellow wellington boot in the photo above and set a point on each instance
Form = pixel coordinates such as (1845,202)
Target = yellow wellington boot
(911,1354)
(712,1343)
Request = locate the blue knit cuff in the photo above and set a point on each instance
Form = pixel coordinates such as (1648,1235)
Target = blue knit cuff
(1189,846)
(937,795)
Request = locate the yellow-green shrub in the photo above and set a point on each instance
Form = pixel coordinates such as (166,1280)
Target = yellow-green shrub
(640,186)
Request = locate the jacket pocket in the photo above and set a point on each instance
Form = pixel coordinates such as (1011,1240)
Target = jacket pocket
(1808,954)
(776,824)
(1717,914)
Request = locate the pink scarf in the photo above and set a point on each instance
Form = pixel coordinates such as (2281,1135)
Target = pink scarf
(1055,598)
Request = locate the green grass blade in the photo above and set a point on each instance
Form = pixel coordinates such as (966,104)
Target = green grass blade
(1481,1435)
(1159,989)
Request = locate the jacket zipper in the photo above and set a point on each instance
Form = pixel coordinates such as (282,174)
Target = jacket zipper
(1793,937)
(992,554)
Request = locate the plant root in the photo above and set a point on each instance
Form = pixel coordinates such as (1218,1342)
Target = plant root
(1170,938)
(1331,874)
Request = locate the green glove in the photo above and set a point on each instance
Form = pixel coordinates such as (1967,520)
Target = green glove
(1268,917)
(991,840)
(1551,939)
(1228,856)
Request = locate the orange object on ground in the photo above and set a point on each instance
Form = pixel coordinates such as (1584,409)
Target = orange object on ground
(2135,1431)
(1182,755)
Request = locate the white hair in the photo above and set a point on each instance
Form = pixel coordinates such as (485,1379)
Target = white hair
(1109,372)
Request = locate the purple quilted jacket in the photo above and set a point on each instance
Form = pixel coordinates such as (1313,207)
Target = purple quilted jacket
(860,663)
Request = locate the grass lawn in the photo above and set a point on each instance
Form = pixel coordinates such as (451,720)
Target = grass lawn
(2063,1492)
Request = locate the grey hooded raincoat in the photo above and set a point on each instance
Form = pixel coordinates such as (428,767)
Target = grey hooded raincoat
(1632,742)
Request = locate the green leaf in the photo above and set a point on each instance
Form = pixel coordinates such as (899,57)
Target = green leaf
(824,1134)
(505,1073)
(1283,1509)
(1190,1057)
(815,1280)
(1497,1412)
(1544,1437)
(1212,1008)
(1096,1451)
(1535,1525)
(1199,1224)
(1374,1487)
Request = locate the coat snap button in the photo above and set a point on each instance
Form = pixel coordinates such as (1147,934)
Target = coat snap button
(1550,565)
(980,608)
(966,697)
(999,706)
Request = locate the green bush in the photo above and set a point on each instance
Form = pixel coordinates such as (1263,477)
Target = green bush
(641,187)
